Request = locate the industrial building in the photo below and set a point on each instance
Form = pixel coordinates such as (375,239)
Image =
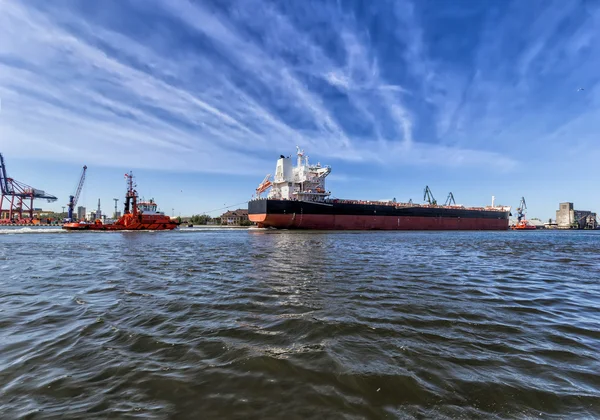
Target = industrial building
(81,213)
(569,218)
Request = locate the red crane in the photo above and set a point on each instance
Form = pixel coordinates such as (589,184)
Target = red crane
(17,198)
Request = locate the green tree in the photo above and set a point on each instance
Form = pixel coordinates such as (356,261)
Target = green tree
(200,219)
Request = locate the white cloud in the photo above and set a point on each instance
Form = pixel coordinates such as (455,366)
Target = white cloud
(64,97)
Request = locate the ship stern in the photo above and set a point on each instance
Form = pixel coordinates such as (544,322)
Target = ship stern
(257,211)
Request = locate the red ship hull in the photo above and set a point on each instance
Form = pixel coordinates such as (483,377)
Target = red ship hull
(127,223)
(348,215)
(352,215)
(352,222)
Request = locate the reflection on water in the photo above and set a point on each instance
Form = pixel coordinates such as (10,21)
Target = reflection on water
(265,324)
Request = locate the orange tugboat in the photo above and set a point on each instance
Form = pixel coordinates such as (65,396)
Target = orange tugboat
(137,216)
(522,223)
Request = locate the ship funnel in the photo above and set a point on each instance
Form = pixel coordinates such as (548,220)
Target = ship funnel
(284,172)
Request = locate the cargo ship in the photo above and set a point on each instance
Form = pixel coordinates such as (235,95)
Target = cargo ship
(142,215)
(297,199)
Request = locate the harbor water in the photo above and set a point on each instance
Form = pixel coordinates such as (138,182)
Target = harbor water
(255,324)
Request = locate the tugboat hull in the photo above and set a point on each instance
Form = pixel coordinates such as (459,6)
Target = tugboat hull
(165,224)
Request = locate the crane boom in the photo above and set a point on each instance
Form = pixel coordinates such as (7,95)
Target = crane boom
(4,187)
(74,198)
(521,209)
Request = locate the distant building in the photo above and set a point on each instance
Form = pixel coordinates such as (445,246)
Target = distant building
(586,219)
(569,218)
(44,214)
(537,223)
(81,213)
(234,217)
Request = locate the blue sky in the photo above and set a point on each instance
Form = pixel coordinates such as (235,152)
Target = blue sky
(199,98)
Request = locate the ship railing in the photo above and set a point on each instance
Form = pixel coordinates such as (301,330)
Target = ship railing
(406,205)
(387,203)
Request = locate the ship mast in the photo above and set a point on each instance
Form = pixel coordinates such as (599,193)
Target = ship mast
(130,196)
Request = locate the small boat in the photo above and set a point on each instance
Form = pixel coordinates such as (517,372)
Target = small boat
(136,216)
(523,225)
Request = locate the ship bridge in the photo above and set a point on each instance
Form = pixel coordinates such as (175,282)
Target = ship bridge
(148,207)
(304,182)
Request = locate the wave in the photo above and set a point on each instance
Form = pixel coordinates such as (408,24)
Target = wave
(29,230)
(211,229)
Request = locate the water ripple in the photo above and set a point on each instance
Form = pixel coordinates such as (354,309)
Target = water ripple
(260,324)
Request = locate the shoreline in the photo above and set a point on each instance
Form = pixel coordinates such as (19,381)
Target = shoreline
(214,227)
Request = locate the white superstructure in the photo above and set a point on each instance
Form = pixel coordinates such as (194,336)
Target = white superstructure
(304,182)
(149,207)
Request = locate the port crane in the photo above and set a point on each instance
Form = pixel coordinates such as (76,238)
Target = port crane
(74,198)
(522,223)
(521,210)
(450,200)
(428,196)
(17,198)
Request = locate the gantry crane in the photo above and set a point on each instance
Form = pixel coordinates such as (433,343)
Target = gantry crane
(74,198)
(450,200)
(17,198)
